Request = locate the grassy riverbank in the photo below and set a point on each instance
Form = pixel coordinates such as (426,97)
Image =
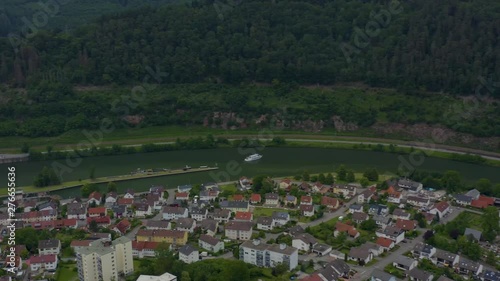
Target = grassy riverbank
(72,184)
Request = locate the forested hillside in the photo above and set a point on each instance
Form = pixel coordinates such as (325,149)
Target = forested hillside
(64,14)
(415,45)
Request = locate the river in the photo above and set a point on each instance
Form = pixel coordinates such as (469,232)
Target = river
(276,162)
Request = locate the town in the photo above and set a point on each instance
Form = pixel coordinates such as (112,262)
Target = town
(312,231)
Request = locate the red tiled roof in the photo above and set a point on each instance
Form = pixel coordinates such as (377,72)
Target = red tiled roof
(406,224)
(141,245)
(314,277)
(305,199)
(384,242)
(17,261)
(255,197)
(181,194)
(96,195)
(329,201)
(161,232)
(342,227)
(80,243)
(483,202)
(123,225)
(247,216)
(287,181)
(238,197)
(103,220)
(97,210)
(42,259)
(441,206)
(306,208)
(125,201)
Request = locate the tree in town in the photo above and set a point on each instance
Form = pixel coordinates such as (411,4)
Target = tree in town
(490,225)
(371,174)
(88,188)
(451,181)
(350,176)
(185,276)
(305,176)
(342,173)
(368,225)
(93,226)
(364,182)
(92,173)
(329,179)
(112,186)
(46,177)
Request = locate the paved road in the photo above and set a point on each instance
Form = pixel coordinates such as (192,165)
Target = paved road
(364,272)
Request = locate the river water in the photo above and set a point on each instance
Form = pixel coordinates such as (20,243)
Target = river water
(276,162)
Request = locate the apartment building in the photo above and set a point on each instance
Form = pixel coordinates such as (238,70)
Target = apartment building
(176,237)
(104,260)
(268,255)
(49,247)
(238,230)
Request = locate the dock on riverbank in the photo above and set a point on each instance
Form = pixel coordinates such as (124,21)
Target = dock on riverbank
(66,185)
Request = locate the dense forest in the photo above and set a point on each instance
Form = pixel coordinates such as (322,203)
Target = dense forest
(414,45)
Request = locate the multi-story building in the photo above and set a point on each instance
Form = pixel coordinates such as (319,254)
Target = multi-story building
(49,247)
(144,249)
(170,213)
(104,260)
(238,230)
(210,243)
(189,254)
(268,255)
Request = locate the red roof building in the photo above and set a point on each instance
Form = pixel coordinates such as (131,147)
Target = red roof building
(482,202)
(385,243)
(98,211)
(123,226)
(238,197)
(306,200)
(126,201)
(106,220)
(255,198)
(243,216)
(406,225)
(332,203)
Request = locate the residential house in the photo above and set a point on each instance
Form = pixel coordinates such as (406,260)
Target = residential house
(127,202)
(467,267)
(446,259)
(474,194)
(209,195)
(268,255)
(307,210)
(47,206)
(290,200)
(359,217)
(417,274)
(396,234)
(489,275)
(111,198)
(330,203)
(483,202)
(238,197)
(306,200)
(170,213)
(341,227)
(184,188)
(386,243)
(335,270)
(235,206)
(243,216)
(285,184)
(76,211)
(418,201)
(441,209)
(142,209)
(347,191)
(245,183)
(406,225)
(130,194)
(393,196)
(188,254)
(373,248)
(473,234)
(321,249)
(410,185)
(157,224)
(280,218)
(101,221)
(366,196)
(154,200)
(182,196)
(381,221)
(265,223)
(304,242)
(400,214)
(144,249)
(422,250)
(95,198)
(380,275)
(122,227)
(43,262)
(304,186)
(199,214)
(119,211)
(209,226)
(158,191)
(49,247)
(378,210)
(429,218)
(355,208)
(185,224)
(164,277)
(463,200)
(176,237)
(404,263)
(271,199)
(360,255)
(210,186)
(255,198)
(238,230)
(221,216)
(210,243)
(317,186)
(97,212)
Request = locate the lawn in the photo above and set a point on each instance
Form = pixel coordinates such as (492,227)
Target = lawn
(265,212)
(229,187)
(67,272)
